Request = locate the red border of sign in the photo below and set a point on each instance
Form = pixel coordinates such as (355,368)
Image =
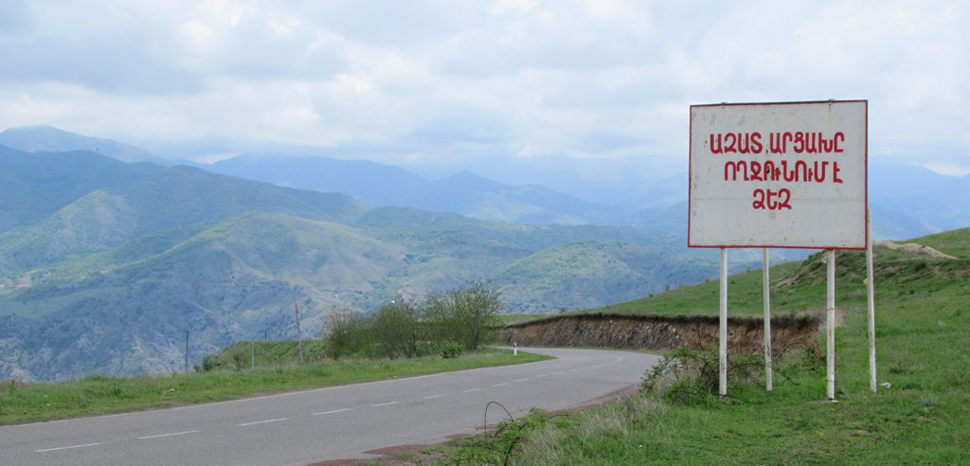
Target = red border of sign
(804,102)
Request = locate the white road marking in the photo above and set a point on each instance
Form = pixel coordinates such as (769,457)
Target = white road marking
(263,422)
(471,390)
(522,380)
(543,375)
(167,435)
(386,404)
(66,448)
(431,397)
(500,384)
(333,412)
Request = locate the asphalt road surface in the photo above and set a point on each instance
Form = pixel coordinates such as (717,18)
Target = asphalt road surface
(298,428)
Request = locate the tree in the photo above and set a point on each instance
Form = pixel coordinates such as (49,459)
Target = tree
(396,329)
(346,333)
(465,314)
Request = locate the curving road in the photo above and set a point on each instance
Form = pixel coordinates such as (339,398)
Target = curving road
(303,427)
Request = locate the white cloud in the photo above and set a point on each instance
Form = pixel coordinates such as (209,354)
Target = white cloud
(583,78)
(952,169)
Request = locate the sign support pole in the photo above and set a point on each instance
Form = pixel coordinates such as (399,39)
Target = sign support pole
(830,326)
(766,279)
(722,350)
(871,291)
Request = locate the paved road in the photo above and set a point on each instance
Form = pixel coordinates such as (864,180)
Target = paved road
(337,422)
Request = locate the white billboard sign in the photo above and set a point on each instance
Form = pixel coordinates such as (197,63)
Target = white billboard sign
(790,175)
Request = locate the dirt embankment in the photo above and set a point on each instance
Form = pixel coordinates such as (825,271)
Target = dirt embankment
(660,332)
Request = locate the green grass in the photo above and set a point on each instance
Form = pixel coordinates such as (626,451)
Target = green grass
(20,403)
(800,287)
(923,329)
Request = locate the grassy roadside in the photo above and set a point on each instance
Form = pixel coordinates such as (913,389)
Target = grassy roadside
(922,418)
(20,403)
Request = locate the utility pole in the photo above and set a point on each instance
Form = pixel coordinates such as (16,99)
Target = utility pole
(299,332)
(186,351)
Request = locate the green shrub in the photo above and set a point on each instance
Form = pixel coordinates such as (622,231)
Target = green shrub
(240,361)
(450,349)
(688,377)
(210,362)
(465,315)
(403,328)
(396,328)
(346,333)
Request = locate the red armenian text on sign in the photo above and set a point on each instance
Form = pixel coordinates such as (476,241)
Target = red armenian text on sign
(779,175)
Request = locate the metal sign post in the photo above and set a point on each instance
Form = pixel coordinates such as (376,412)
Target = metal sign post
(830,326)
(871,292)
(722,348)
(766,297)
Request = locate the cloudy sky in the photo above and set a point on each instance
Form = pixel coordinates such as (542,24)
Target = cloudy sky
(435,83)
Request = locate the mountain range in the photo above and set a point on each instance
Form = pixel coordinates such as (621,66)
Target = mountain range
(106,265)
(928,206)
(47,138)
(922,201)
(385,185)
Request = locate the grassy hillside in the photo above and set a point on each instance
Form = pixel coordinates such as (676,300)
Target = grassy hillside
(920,417)
(800,286)
(580,273)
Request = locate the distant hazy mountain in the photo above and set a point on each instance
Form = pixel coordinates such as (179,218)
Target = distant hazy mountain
(472,195)
(941,202)
(384,185)
(50,139)
(104,265)
(656,196)
(890,224)
(370,182)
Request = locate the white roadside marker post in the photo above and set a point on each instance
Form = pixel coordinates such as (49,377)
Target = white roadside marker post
(515,349)
(765,278)
(722,350)
(830,326)
(871,291)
